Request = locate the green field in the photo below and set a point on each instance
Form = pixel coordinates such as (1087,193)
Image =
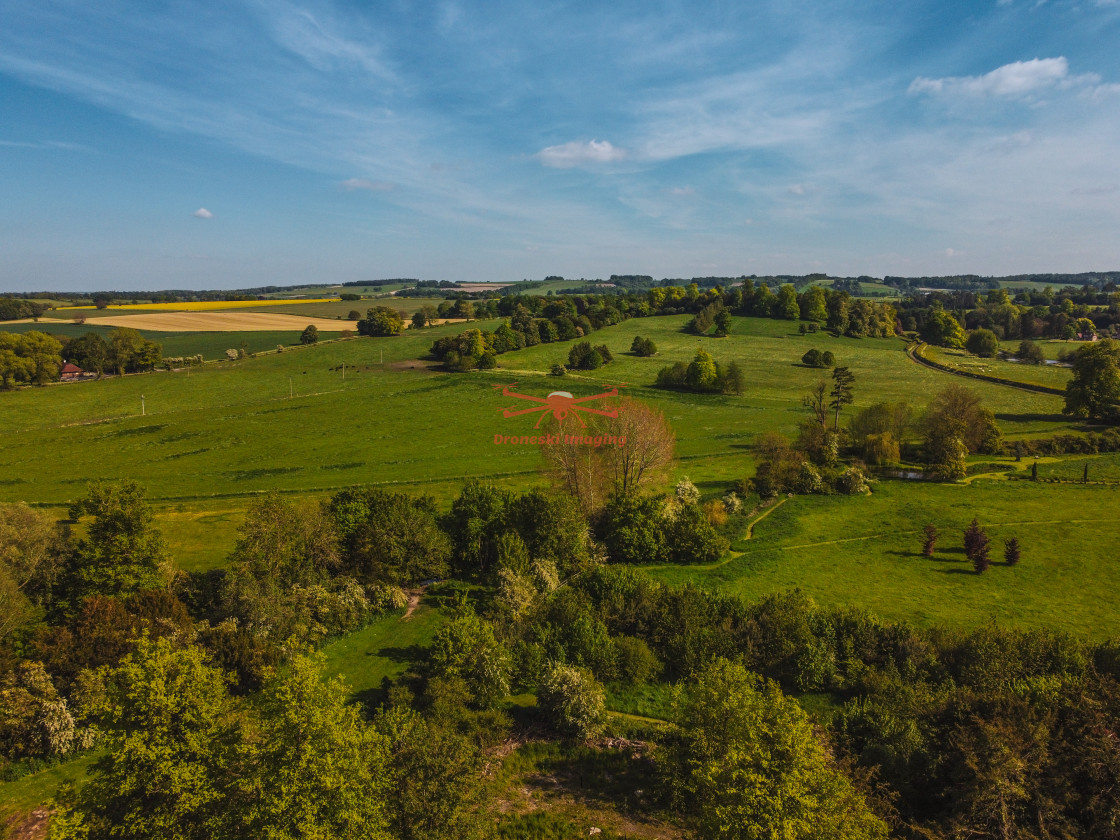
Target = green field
(865,551)
(289,421)
(382,649)
(211,441)
(1050,376)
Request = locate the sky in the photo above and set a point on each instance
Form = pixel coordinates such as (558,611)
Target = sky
(178,144)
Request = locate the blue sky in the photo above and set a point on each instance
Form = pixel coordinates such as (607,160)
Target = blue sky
(206,144)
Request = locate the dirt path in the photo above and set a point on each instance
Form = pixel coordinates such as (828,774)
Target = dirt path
(414,596)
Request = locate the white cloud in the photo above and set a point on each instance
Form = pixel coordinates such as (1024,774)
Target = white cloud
(1015,80)
(576,153)
(202,213)
(797,189)
(351,184)
(682,191)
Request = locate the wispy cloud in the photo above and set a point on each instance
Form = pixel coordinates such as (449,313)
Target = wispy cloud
(1015,80)
(351,184)
(202,213)
(580,153)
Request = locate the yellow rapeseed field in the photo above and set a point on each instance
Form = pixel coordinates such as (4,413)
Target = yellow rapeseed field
(205,305)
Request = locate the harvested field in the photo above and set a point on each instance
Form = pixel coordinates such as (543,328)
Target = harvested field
(203,305)
(219,322)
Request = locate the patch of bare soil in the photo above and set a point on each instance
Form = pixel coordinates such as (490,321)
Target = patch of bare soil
(31,826)
(593,799)
(411,364)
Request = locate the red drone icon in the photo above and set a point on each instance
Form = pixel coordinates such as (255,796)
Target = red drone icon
(559,403)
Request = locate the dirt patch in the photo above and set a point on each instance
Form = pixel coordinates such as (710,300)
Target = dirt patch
(31,826)
(411,364)
(219,322)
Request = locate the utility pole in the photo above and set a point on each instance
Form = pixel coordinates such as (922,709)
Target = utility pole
(383,357)
(291,391)
(143,412)
(344,371)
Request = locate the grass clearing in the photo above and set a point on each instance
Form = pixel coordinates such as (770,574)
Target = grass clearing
(865,551)
(382,649)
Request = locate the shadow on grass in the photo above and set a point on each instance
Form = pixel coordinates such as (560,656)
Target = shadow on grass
(412,653)
(1039,418)
(957,571)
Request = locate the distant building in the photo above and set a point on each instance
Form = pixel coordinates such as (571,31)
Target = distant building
(72,373)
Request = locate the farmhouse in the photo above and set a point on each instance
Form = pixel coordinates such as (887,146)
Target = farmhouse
(72,373)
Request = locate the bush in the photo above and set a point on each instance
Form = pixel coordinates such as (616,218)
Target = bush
(488,361)
(851,481)
(572,701)
(1030,353)
(583,356)
(813,358)
(643,346)
(557,370)
(309,335)
(354,315)
(828,358)
(716,513)
(636,663)
(983,343)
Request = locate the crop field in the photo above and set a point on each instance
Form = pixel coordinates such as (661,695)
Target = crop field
(212,345)
(239,321)
(191,306)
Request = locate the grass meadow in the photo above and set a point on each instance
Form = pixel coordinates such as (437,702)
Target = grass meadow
(208,443)
(1050,376)
(866,552)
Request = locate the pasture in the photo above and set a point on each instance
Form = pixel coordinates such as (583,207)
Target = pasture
(866,552)
(291,421)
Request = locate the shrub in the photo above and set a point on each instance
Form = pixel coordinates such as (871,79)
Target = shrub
(813,358)
(583,356)
(488,361)
(1030,353)
(643,346)
(309,335)
(930,542)
(716,512)
(828,358)
(557,370)
(687,492)
(732,502)
(1011,551)
(983,343)
(976,546)
(851,481)
(354,315)
(636,663)
(572,701)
